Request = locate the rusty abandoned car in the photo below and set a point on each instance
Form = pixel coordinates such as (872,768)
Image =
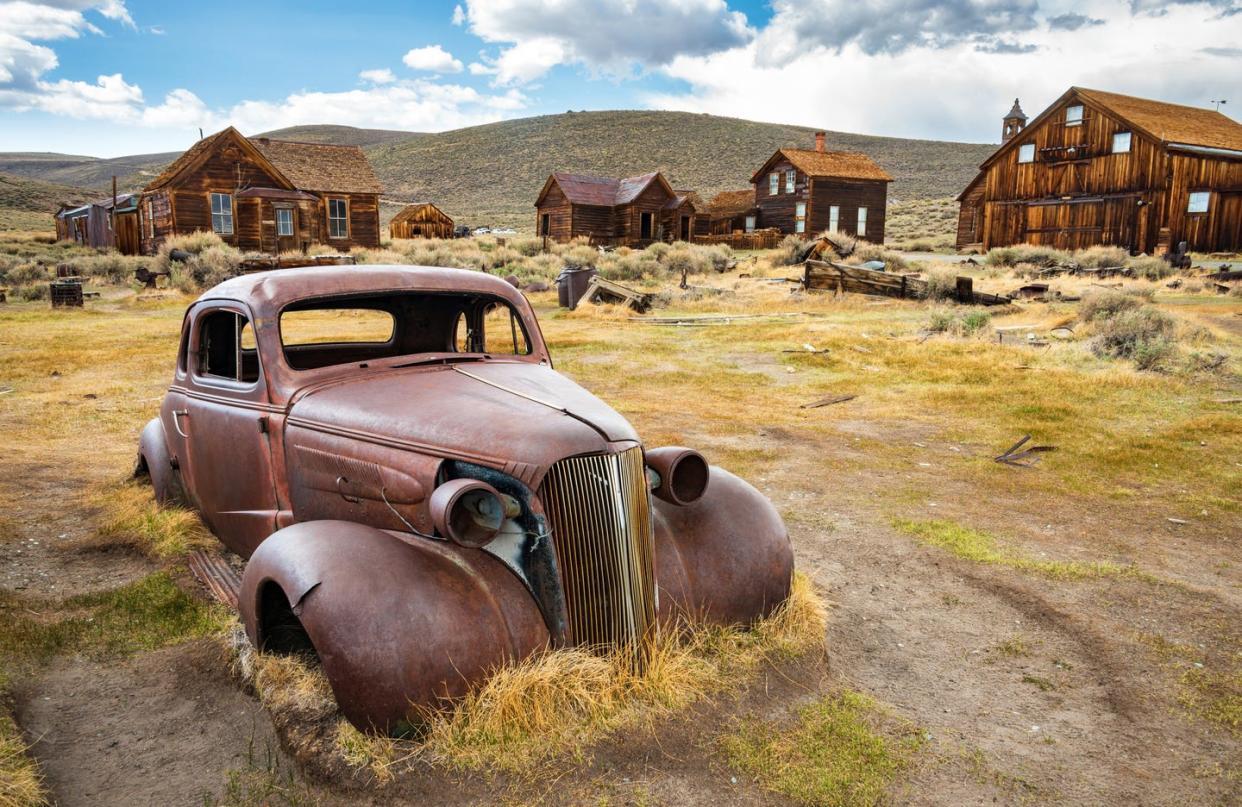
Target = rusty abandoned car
(422,498)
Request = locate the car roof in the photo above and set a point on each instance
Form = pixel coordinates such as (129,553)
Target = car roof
(270,291)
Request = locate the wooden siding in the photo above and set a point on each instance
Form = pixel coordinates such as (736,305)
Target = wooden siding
(619,225)
(1078,193)
(848,195)
(777,211)
(421,221)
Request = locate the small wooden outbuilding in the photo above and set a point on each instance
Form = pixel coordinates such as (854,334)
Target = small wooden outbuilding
(421,220)
(97,224)
(729,212)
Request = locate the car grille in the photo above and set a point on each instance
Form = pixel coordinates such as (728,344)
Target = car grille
(600,512)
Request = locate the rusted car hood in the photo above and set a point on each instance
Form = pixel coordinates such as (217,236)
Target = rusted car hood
(495,413)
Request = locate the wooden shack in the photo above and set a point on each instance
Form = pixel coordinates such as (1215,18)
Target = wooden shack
(1101,168)
(634,211)
(679,216)
(729,212)
(100,225)
(264,195)
(810,191)
(421,220)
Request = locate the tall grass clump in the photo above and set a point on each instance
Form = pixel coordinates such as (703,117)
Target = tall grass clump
(1100,257)
(866,251)
(1126,328)
(1149,267)
(21,784)
(130,517)
(1025,253)
(941,285)
(211,261)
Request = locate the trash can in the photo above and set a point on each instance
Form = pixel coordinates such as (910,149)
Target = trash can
(572,283)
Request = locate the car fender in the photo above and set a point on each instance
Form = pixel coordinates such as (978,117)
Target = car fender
(156,461)
(397,621)
(725,558)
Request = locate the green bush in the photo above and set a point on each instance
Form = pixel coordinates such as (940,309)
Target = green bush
(1143,335)
(968,323)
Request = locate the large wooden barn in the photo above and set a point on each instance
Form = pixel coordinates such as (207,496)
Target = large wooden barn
(265,195)
(421,220)
(809,191)
(1102,168)
(634,211)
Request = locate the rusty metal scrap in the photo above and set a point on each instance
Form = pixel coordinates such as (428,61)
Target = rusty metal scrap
(1025,458)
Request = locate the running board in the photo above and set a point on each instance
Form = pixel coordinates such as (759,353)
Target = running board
(214,572)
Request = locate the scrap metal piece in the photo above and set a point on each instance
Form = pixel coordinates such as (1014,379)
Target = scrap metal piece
(1025,458)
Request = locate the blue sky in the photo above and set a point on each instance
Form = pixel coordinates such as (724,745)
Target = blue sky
(111,77)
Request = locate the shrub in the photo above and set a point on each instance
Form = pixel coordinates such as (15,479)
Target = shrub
(968,323)
(1143,335)
(1149,267)
(942,284)
(790,250)
(1025,253)
(1101,256)
(1106,305)
(527,247)
(1235,290)
(866,251)
(211,261)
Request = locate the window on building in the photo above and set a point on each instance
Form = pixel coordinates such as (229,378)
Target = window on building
(862,222)
(1121,142)
(1073,115)
(150,220)
(284,221)
(800,217)
(1026,153)
(545,224)
(222,213)
(774,184)
(338,218)
(750,224)
(834,218)
(791,177)
(1198,202)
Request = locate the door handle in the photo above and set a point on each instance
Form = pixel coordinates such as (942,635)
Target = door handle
(177,415)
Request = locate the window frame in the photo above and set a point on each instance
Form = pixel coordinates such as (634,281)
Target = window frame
(1192,197)
(1025,149)
(1078,121)
(750,223)
(791,179)
(834,218)
(774,183)
(231,214)
(277,216)
(799,217)
(1129,142)
(194,350)
(862,222)
(344,200)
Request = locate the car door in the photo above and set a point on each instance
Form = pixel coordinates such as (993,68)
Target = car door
(227,457)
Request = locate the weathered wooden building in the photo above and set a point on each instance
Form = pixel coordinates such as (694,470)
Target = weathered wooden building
(101,225)
(633,211)
(264,195)
(728,212)
(680,215)
(1101,168)
(421,220)
(810,191)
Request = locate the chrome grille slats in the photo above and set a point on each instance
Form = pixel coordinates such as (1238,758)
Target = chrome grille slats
(600,512)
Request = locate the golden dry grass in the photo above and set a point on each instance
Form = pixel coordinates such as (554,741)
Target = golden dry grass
(130,516)
(21,784)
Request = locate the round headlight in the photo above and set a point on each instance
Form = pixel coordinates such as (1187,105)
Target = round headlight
(682,474)
(467,512)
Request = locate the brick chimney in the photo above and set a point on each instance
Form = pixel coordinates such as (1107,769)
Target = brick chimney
(819,141)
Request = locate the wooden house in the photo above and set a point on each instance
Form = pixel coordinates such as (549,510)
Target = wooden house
(1101,168)
(421,220)
(729,212)
(810,191)
(634,211)
(264,195)
(679,216)
(101,225)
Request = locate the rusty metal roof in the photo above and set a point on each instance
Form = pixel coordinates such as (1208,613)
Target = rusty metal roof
(583,189)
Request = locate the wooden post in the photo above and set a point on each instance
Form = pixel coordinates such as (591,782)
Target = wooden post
(965,290)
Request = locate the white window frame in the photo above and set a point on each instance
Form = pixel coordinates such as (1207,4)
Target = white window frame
(287,211)
(800,217)
(1073,115)
(150,216)
(834,218)
(1128,138)
(750,224)
(221,218)
(862,222)
(1199,201)
(332,233)
(1026,153)
(791,179)
(774,183)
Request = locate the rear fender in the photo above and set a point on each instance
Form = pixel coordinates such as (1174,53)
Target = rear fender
(396,621)
(725,558)
(155,460)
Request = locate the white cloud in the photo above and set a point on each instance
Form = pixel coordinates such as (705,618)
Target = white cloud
(380,76)
(433,59)
(957,91)
(459,15)
(609,36)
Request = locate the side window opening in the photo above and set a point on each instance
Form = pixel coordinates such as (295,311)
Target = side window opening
(503,334)
(226,347)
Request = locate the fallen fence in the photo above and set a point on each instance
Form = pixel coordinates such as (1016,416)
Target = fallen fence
(840,277)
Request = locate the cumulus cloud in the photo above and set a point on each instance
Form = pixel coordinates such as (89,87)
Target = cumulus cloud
(24,62)
(1003,46)
(1072,21)
(433,59)
(380,76)
(609,36)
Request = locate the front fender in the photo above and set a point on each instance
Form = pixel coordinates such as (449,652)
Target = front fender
(725,558)
(397,622)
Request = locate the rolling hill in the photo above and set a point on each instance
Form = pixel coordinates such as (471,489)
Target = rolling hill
(491,174)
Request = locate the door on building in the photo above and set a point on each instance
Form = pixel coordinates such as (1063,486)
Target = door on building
(685,228)
(1082,224)
(286,228)
(644,226)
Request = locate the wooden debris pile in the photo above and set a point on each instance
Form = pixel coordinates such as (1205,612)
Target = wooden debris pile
(600,290)
(840,277)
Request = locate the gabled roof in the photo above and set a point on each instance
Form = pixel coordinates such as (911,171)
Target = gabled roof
(1166,123)
(839,164)
(304,166)
(583,189)
(414,207)
(321,167)
(732,203)
(680,198)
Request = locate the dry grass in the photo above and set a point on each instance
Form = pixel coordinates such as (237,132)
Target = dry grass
(557,703)
(130,517)
(21,784)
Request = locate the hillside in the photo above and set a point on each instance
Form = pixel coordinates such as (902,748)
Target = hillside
(492,173)
(28,204)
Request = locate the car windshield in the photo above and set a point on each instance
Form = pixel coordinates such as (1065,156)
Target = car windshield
(360,328)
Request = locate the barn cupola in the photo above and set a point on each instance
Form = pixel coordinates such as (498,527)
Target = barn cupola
(1015,122)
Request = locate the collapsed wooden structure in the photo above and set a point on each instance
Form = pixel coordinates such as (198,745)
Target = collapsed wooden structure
(1102,168)
(421,220)
(841,277)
